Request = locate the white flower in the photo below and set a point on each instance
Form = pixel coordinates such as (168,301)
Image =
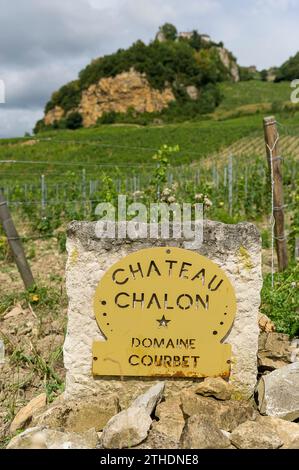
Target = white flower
(171,199)
(198,197)
(166,192)
(207,202)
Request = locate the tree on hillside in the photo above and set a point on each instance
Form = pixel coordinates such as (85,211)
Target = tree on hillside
(289,70)
(169,31)
(196,41)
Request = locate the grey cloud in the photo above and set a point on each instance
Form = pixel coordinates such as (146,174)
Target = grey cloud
(35,30)
(15,122)
(44,43)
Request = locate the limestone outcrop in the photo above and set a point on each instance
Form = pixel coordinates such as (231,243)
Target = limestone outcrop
(127,90)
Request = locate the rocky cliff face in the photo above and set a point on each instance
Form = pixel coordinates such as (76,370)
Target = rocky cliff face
(126,90)
(120,93)
(229,63)
(53,115)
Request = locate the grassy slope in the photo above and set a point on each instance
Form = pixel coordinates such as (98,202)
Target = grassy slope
(253,92)
(132,145)
(124,145)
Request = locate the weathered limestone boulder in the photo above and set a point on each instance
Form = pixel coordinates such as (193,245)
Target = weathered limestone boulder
(202,433)
(275,351)
(27,412)
(215,387)
(235,248)
(265,324)
(255,435)
(192,92)
(43,438)
(288,432)
(278,393)
(226,415)
(130,427)
(80,415)
(127,429)
(157,440)
(171,419)
(150,398)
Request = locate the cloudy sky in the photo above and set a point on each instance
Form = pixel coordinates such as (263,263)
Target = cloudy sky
(44,43)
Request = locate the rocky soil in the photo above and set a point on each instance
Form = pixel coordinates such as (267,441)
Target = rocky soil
(34,414)
(205,419)
(32,327)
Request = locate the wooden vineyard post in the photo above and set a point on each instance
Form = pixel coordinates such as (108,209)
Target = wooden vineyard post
(15,243)
(274,162)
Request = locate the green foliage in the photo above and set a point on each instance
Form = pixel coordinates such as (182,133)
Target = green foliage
(42,297)
(169,31)
(179,63)
(40,126)
(61,241)
(121,145)
(162,157)
(211,68)
(245,74)
(281,304)
(289,69)
(253,92)
(67,97)
(294,229)
(108,118)
(264,75)
(265,239)
(41,367)
(74,120)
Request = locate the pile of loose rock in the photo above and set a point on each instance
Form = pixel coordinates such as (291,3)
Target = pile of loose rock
(207,418)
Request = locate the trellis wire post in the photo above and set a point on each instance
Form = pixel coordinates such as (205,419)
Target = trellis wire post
(230,185)
(277,209)
(15,243)
(118,186)
(225,176)
(84,191)
(43,195)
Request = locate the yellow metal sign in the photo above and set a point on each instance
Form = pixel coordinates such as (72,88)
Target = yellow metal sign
(164,312)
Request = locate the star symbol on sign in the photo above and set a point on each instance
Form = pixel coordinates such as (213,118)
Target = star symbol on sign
(163,321)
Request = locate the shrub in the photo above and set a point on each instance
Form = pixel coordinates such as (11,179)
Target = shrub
(74,120)
(67,97)
(245,74)
(281,304)
(39,126)
(169,31)
(107,118)
(289,69)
